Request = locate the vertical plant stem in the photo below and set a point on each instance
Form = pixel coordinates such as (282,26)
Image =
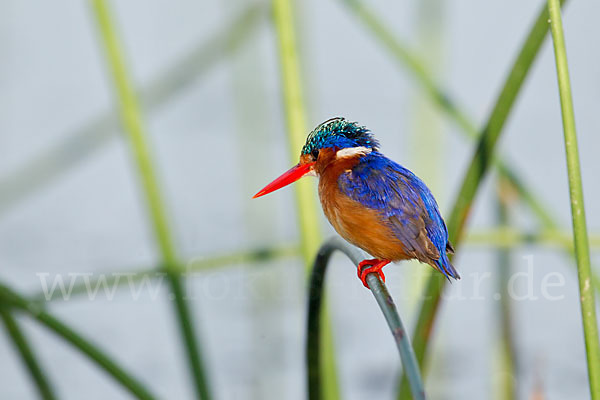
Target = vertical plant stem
(35,370)
(133,126)
(254,128)
(426,124)
(580,237)
(14,300)
(507,355)
(426,120)
(477,169)
(305,198)
(296,124)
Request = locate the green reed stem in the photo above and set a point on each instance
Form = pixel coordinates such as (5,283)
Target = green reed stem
(385,302)
(582,251)
(82,142)
(477,169)
(310,235)
(27,355)
(12,299)
(133,126)
(296,124)
(508,354)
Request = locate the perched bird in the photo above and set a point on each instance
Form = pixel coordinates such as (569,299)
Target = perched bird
(371,201)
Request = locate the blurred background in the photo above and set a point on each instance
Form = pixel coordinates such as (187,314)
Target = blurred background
(208,79)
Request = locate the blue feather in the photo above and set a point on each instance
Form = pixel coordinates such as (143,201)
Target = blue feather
(337,132)
(405,203)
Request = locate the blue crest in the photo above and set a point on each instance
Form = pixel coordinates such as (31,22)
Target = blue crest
(337,132)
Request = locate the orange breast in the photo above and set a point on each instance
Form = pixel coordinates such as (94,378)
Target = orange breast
(356,223)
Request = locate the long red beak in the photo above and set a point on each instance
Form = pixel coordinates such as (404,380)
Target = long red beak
(290,176)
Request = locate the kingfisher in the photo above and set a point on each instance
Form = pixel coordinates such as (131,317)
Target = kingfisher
(372,202)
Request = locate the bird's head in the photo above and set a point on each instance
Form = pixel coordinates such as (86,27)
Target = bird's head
(333,140)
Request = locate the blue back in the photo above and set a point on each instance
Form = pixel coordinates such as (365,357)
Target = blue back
(405,203)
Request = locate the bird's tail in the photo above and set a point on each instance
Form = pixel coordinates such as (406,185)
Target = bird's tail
(445,267)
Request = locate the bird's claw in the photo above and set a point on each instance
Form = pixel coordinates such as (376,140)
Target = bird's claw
(374,265)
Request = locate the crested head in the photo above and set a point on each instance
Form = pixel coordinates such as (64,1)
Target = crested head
(339,134)
(336,142)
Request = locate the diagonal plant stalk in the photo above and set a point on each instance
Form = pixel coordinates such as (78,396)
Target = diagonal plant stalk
(413,63)
(305,200)
(477,169)
(133,126)
(385,302)
(36,372)
(81,143)
(582,251)
(10,298)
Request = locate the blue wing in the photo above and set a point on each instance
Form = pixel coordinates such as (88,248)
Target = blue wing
(405,203)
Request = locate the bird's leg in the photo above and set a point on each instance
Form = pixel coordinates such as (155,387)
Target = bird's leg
(374,265)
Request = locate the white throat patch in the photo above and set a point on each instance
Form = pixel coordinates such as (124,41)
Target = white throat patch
(352,151)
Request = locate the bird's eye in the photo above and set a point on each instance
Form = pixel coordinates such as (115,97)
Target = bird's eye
(315,154)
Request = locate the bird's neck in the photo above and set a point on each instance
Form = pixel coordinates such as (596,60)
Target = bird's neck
(329,169)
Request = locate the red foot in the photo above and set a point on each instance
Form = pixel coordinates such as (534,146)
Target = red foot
(374,265)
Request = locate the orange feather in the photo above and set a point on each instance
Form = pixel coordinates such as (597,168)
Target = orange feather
(357,224)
